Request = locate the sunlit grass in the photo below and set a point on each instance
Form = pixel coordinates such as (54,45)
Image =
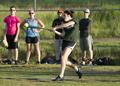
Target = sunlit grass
(37,75)
(101,49)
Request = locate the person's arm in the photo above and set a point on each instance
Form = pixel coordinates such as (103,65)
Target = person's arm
(40,27)
(41,24)
(17,33)
(54,24)
(5,31)
(60,33)
(71,23)
(62,26)
(22,24)
(89,27)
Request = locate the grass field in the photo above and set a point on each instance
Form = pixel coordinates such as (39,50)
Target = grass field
(102,48)
(41,75)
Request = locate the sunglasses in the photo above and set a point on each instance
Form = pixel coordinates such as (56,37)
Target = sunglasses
(12,10)
(86,12)
(31,13)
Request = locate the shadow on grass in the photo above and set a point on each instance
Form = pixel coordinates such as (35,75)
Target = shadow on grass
(88,80)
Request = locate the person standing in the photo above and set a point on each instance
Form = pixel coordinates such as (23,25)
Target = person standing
(58,38)
(32,35)
(12,23)
(69,42)
(86,40)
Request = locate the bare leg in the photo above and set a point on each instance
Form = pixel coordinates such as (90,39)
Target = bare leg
(64,59)
(84,55)
(90,49)
(91,57)
(70,64)
(91,54)
(37,49)
(16,54)
(9,54)
(29,48)
(64,63)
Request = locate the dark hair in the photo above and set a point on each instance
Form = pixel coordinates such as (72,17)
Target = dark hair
(12,7)
(69,12)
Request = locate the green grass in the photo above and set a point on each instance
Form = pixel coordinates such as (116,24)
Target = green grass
(102,48)
(37,75)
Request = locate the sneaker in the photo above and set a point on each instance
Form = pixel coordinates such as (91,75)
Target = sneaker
(26,62)
(90,63)
(58,78)
(83,63)
(79,73)
(38,62)
(16,62)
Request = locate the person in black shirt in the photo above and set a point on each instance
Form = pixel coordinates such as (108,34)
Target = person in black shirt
(69,42)
(58,38)
(86,41)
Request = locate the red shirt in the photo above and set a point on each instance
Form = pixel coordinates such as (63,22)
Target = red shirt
(11,24)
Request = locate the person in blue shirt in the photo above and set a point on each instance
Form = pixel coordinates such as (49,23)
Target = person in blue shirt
(32,34)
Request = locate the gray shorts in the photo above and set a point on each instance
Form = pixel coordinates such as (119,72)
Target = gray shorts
(86,43)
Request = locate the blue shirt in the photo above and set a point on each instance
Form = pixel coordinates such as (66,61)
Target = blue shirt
(30,30)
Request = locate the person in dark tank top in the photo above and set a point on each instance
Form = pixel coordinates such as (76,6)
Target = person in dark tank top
(69,42)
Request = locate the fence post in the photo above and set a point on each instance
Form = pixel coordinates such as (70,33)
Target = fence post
(35,5)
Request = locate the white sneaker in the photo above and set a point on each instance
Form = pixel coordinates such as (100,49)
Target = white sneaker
(83,63)
(90,63)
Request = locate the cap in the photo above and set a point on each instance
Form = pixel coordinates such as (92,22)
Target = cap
(87,11)
(60,10)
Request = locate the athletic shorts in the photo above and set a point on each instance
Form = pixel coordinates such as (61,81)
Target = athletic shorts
(31,39)
(11,43)
(68,44)
(86,43)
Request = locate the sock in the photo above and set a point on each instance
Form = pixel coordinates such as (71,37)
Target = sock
(76,68)
(61,76)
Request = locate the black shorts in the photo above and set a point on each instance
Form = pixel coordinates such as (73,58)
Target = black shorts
(31,39)
(11,43)
(67,44)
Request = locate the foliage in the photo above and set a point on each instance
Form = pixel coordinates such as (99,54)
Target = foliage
(25,4)
(105,24)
